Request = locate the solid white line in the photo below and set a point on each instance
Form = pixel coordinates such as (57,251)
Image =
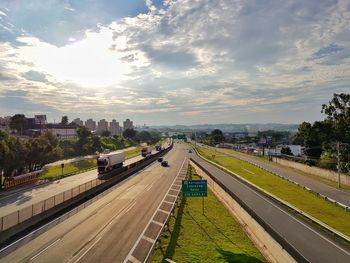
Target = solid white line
(163,211)
(88,249)
(42,251)
(295,219)
(150,221)
(168,202)
(148,239)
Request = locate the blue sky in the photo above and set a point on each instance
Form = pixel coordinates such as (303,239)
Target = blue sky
(173,62)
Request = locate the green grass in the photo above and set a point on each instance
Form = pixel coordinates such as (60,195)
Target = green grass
(317,207)
(212,237)
(314,177)
(55,172)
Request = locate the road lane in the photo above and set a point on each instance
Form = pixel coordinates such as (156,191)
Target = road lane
(28,197)
(313,244)
(107,229)
(317,186)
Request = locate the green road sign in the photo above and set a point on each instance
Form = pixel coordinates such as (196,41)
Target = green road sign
(194,188)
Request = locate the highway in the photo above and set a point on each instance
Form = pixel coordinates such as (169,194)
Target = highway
(106,230)
(317,186)
(313,244)
(26,197)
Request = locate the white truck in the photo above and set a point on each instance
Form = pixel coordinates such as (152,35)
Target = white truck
(145,150)
(110,161)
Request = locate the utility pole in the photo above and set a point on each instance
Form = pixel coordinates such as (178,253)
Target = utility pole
(338,155)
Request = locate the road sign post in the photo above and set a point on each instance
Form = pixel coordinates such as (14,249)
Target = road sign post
(195,188)
(62,166)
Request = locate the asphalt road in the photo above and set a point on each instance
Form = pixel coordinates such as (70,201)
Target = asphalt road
(32,195)
(314,245)
(317,186)
(106,230)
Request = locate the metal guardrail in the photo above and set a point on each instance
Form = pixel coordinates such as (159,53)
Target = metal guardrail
(284,203)
(283,242)
(19,216)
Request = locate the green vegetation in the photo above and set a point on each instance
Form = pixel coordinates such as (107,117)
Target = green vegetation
(213,237)
(315,177)
(323,139)
(55,172)
(324,211)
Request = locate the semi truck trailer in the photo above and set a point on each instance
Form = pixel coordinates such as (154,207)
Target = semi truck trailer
(110,161)
(145,150)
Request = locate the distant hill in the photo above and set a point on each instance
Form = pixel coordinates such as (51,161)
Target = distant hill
(249,127)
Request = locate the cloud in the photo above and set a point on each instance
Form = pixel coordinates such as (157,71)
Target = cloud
(180,61)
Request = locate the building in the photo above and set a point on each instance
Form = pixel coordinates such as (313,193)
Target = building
(62,131)
(78,121)
(127,124)
(102,126)
(40,119)
(5,123)
(114,128)
(90,124)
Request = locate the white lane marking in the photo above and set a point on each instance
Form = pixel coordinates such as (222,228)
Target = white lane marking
(149,187)
(127,190)
(129,256)
(134,260)
(168,202)
(295,219)
(163,211)
(42,251)
(248,171)
(148,239)
(88,250)
(157,223)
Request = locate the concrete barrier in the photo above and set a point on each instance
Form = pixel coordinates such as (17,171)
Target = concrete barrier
(11,224)
(267,245)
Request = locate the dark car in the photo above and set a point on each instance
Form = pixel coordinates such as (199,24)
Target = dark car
(160,159)
(165,163)
(190,151)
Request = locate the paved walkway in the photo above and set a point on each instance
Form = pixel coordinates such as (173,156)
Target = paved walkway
(317,186)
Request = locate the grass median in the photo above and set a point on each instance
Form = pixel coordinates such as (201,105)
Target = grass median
(54,172)
(315,206)
(212,237)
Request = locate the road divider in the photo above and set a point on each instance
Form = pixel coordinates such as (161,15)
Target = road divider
(315,221)
(14,224)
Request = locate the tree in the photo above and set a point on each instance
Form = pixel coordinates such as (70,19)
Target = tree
(64,120)
(217,136)
(19,123)
(144,136)
(129,133)
(338,114)
(106,134)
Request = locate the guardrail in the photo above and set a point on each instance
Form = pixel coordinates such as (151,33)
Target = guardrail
(284,203)
(21,216)
(284,243)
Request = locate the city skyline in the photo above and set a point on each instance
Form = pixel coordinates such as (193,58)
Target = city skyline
(173,62)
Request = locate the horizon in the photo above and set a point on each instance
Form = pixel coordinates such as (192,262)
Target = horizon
(164,63)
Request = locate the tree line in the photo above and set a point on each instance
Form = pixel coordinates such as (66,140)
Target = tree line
(324,139)
(18,155)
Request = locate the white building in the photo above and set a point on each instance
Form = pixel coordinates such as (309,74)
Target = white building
(78,121)
(127,124)
(90,124)
(102,126)
(62,131)
(114,128)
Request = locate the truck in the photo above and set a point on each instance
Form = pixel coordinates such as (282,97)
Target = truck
(145,150)
(158,147)
(110,161)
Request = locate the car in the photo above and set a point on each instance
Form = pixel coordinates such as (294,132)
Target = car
(190,151)
(165,163)
(160,159)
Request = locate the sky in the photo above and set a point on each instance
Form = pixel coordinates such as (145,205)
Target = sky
(173,62)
